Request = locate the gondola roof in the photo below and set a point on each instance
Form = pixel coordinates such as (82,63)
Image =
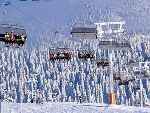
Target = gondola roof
(83,30)
(11,28)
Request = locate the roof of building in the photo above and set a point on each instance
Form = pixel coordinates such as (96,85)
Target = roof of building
(83,30)
(115,43)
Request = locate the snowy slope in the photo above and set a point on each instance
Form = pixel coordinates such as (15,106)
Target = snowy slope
(69,108)
(28,76)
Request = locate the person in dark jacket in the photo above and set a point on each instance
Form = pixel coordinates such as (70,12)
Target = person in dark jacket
(80,99)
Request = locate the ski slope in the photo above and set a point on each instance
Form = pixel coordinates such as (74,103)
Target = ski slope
(69,108)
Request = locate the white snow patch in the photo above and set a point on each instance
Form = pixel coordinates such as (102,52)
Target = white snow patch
(69,108)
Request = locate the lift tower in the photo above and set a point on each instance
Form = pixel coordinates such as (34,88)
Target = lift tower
(112,43)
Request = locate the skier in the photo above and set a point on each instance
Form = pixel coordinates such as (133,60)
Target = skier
(80,99)
(32,100)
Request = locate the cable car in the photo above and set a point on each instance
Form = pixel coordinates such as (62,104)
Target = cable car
(116,77)
(139,72)
(114,44)
(10,34)
(126,80)
(86,54)
(136,86)
(103,63)
(88,32)
(52,54)
(123,82)
(60,54)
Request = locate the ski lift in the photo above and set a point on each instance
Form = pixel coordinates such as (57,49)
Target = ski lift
(114,44)
(52,54)
(123,83)
(10,34)
(139,72)
(86,54)
(116,77)
(132,62)
(88,32)
(60,54)
(109,28)
(103,63)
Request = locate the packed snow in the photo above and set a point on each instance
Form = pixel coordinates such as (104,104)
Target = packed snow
(69,108)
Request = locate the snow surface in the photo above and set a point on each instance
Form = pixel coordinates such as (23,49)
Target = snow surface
(69,108)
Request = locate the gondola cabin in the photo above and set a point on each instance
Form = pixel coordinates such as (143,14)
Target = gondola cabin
(132,63)
(139,72)
(109,28)
(136,86)
(126,80)
(60,54)
(115,44)
(52,54)
(123,83)
(103,63)
(84,32)
(116,76)
(12,35)
(86,54)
